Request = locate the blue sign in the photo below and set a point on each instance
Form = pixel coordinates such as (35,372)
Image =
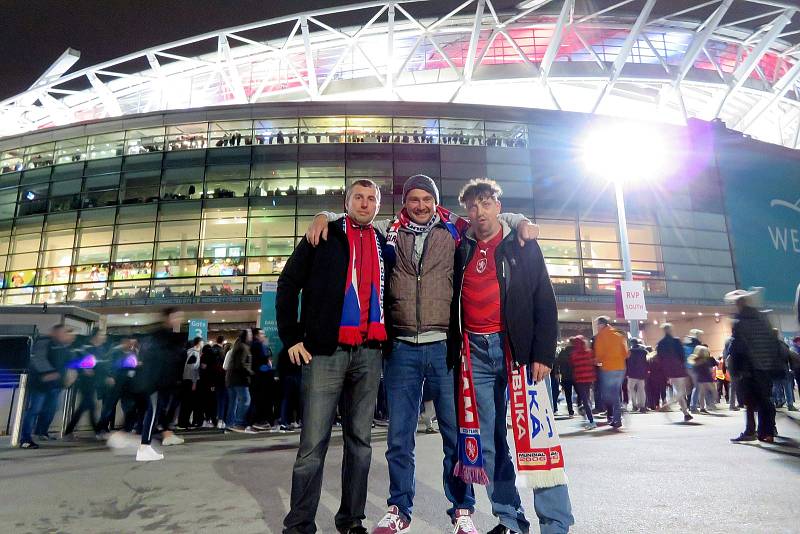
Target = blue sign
(198,328)
(762,200)
(269,323)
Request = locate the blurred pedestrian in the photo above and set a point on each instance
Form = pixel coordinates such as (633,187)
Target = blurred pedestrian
(86,384)
(188,392)
(584,374)
(611,352)
(704,365)
(237,380)
(672,358)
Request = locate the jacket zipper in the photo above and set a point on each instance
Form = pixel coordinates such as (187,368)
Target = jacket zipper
(419,281)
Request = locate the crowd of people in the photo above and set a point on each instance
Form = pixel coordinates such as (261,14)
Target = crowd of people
(609,374)
(425,309)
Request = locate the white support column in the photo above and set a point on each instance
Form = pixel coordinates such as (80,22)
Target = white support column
(469,65)
(763,105)
(555,40)
(390,52)
(311,71)
(700,40)
(110,101)
(747,66)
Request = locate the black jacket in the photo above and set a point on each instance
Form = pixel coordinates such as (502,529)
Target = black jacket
(321,273)
(527,302)
(755,347)
(161,360)
(47,356)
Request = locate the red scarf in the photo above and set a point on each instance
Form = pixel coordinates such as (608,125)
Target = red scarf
(470,452)
(357,327)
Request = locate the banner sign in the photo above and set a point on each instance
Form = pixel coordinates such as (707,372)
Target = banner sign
(198,328)
(268,321)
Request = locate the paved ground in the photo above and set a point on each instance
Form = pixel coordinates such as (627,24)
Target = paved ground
(657,475)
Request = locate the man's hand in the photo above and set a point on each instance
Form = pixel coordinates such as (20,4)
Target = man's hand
(527,231)
(539,372)
(298,354)
(318,228)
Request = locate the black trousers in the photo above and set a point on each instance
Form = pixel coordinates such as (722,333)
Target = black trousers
(567,386)
(756,390)
(88,405)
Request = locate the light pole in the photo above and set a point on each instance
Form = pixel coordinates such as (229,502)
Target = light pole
(622,152)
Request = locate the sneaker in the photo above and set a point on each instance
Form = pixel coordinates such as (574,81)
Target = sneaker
(146,453)
(502,529)
(44,437)
(704,411)
(687,417)
(69,437)
(695,411)
(431,430)
(358,529)
(642,410)
(463,523)
(591,426)
(263,426)
(101,436)
(766,439)
(172,440)
(221,424)
(792,408)
(28,445)
(250,430)
(284,428)
(208,424)
(743,437)
(122,442)
(615,424)
(392,523)
(298,426)
(239,429)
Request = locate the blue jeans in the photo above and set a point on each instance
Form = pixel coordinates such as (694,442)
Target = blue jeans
(405,370)
(238,403)
(611,391)
(33,411)
(490,377)
(48,413)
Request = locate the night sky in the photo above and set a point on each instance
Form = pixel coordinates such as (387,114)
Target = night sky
(35,32)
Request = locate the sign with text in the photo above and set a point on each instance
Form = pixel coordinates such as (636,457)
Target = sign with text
(269,323)
(198,328)
(633,305)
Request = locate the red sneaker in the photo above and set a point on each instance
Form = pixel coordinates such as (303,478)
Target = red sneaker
(392,523)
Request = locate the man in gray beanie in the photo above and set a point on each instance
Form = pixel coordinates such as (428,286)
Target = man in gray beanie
(424,237)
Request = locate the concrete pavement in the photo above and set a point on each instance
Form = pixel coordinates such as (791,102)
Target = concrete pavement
(657,475)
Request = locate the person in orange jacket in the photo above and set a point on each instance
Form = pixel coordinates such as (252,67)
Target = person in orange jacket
(611,351)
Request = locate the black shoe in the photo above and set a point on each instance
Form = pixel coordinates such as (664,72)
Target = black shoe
(353,530)
(615,424)
(766,439)
(687,417)
(744,437)
(28,445)
(501,529)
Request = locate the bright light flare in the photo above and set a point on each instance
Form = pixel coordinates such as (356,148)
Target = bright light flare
(628,152)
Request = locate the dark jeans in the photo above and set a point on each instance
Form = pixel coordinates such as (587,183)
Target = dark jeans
(48,411)
(168,402)
(351,375)
(567,386)
(188,401)
(756,390)
(88,404)
(147,405)
(408,366)
(583,399)
(555,390)
(34,410)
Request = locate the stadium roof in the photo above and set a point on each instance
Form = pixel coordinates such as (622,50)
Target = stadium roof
(736,60)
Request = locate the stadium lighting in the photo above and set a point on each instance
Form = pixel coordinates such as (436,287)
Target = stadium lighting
(623,152)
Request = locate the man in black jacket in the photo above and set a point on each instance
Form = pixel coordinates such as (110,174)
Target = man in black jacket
(503,300)
(338,342)
(755,359)
(46,375)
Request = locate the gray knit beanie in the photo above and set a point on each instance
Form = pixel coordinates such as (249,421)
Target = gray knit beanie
(420,181)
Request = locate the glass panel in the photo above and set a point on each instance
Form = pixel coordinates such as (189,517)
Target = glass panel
(131,270)
(173,288)
(130,290)
(275,169)
(180,211)
(176,249)
(220,286)
(461,132)
(594,250)
(56,258)
(19,276)
(144,162)
(223,248)
(175,268)
(138,187)
(136,233)
(101,235)
(106,145)
(66,172)
(11,161)
(506,134)
(51,295)
(139,141)
(59,239)
(187,136)
(87,292)
(90,273)
(93,255)
(265,246)
(427,130)
(134,252)
(321,169)
(18,296)
(97,217)
(227,227)
(230,133)
(264,226)
(323,129)
(280,187)
(598,231)
(266,265)
(105,166)
(136,214)
(368,129)
(178,230)
(71,150)
(25,243)
(222,266)
(558,249)
(642,234)
(562,267)
(29,225)
(645,252)
(549,229)
(53,275)
(184,159)
(182,184)
(39,155)
(275,131)
(7,211)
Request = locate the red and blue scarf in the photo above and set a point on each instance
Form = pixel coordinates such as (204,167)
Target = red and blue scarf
(455,224)
(350,328)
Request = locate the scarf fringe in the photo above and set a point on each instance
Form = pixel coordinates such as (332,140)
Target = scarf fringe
(350,335)
(376,332)
(471,474)
(542,479)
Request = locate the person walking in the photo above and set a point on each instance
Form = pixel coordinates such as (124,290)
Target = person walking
(338,342)
(611,352)
(189,395)
(237,380)
(672,358)
(584,375)
(87,382)
(636,371)
(565,372)
(756,359)
(704,365)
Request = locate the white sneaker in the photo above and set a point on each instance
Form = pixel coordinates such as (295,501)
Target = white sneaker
(122,442)
(250,430)
(146,453)
(208,424)
(295,426)
(221,424)
(172,440)
(463,523)
(590,426)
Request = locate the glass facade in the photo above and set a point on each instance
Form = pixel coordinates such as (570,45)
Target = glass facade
(213,209)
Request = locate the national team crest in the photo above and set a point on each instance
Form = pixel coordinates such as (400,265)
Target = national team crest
(481,266)
(471,446)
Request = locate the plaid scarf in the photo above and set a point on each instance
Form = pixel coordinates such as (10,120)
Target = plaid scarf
(537,456)
(350,328)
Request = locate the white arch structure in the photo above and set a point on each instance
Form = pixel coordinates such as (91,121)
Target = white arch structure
(621,60)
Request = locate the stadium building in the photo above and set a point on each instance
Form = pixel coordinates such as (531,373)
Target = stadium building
(186,173)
